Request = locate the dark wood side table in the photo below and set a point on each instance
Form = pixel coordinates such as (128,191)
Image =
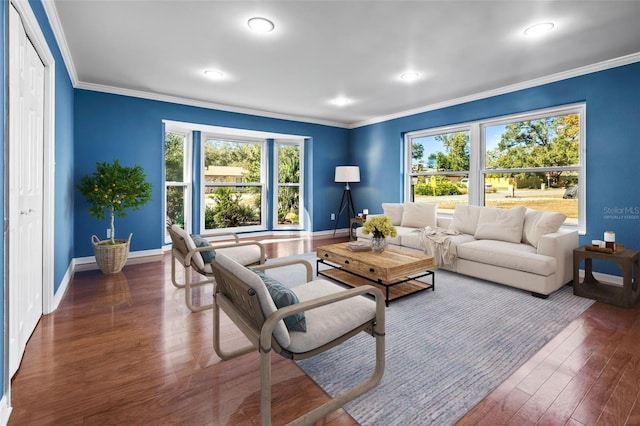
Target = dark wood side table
(628,261)
(354,221)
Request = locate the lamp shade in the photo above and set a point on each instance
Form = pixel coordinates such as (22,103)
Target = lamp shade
(347,174)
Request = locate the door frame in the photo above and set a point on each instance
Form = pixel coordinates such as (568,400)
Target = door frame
(37,38)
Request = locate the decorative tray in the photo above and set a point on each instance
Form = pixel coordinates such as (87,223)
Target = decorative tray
(589,247)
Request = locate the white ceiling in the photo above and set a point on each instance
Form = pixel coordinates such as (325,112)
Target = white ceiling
(323,49)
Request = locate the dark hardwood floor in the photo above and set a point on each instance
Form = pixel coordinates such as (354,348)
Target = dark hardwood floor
(124,349)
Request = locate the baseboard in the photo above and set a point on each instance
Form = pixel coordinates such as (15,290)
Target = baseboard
(64,284)
(5,410)
(142,256)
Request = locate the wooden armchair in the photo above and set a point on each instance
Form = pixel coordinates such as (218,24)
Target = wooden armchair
(185,251)
(332,315)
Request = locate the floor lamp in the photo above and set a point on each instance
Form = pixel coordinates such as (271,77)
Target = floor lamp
(346,174)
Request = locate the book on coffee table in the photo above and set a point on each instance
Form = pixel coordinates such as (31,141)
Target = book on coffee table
(358,246)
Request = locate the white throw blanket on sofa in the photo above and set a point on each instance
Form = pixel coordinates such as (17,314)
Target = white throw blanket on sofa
(437,243)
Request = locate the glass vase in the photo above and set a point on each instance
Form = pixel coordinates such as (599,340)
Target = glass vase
(378,244)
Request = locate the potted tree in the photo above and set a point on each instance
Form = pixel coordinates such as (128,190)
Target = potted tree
(110,191)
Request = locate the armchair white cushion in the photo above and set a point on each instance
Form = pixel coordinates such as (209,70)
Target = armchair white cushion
(332,313)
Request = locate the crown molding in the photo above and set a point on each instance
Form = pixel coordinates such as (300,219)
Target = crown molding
(58,33)
(588,69)
(54,21)
(203,104)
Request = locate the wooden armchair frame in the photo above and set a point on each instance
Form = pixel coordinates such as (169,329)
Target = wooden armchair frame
(180,253)
(240,302)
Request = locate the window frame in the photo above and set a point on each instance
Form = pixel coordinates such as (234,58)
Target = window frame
(477,153)
(186,184)
(409,137)
(277,143)
(262,184)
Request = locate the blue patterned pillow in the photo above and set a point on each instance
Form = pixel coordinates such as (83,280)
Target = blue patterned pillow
(283,296)
(207,255)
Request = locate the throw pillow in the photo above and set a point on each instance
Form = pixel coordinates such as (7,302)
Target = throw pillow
(465,218)
(394,211)
(252,279)
(282,297)
(207,255)
(500,224)
(537,224)
(419,215)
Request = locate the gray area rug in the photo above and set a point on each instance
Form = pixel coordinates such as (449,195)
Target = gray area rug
(446,350)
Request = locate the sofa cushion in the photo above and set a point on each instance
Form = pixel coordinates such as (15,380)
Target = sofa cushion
(414,239)
(418,215)
(516,256)
(394,211)
(500,224)
(465,218)
(267,305)
(539,223)
(400,232)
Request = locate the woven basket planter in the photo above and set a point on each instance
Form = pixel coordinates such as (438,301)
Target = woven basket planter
(110,258)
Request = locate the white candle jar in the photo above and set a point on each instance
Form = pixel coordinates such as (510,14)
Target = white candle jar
(610,240)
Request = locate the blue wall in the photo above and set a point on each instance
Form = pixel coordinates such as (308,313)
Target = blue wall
(113,126)
(613,148)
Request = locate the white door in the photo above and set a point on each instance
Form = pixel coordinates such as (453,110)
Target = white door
(25,188)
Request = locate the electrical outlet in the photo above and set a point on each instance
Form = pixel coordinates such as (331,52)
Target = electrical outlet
(333,216)
(108,232)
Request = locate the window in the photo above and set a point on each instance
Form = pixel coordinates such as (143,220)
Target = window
(439,166)
(288,192)
(219,178)
(233,183)
(177,187)
(534,160)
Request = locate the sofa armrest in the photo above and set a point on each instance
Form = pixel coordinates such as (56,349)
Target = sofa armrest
(560,245)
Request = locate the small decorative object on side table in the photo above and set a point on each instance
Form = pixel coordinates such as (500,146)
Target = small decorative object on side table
(358,220)
(628,261)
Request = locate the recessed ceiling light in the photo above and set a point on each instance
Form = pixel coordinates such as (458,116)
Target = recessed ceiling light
(409,76)
(261,25)
(538,29)
(341,101)
(214,74)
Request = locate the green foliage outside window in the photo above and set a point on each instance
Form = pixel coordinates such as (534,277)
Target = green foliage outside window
(228,211)
(437,185)
(545,142)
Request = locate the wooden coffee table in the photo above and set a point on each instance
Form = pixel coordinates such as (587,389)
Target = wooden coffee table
(394,271)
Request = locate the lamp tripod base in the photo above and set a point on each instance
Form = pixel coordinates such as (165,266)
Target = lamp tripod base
(345,203)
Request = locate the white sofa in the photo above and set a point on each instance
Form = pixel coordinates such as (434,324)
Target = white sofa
(519,247)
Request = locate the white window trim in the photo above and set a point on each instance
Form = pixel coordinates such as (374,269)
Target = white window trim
(466,127)
(187,185)
(262,184)
(477,151)
(276,185)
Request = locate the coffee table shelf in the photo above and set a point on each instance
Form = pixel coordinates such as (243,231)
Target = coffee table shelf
(394,271)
